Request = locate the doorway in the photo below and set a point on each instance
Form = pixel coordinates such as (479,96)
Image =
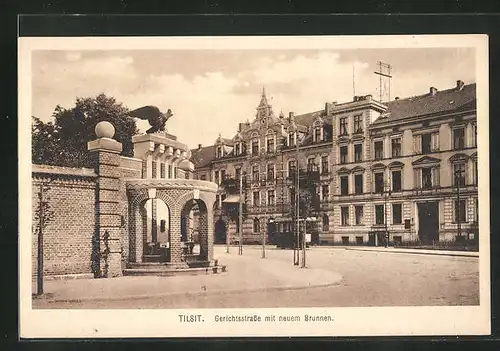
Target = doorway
(428,219)
(220,232)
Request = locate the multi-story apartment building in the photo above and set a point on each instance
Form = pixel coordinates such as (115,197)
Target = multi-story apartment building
(390,167)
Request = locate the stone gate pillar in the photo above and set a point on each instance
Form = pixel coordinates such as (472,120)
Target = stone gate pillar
(105,153)
(175,237)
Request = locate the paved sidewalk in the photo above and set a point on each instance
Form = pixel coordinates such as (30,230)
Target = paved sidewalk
(415,251)
(244,273)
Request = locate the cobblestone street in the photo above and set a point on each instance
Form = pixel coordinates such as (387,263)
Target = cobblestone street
(368,279)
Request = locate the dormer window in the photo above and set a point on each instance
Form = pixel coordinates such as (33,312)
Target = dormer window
(237,149)
(291,139)
(219,152)
(317,134)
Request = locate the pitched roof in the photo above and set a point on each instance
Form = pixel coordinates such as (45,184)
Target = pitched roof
(442,101)
(203,157)
(307,119)
(228,141)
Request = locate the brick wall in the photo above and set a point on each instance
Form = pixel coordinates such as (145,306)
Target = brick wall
(68,234)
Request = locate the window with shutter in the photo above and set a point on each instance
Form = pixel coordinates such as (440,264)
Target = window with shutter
(417,178)
(426,143)
(435,141)
(435,176)
(417,148)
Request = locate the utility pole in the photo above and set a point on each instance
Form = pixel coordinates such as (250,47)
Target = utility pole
(228,233)
(304,245)
(265,222)
(387,191)
(39,276)
(384,73)
(459,224)
(240,217)
(297,191)
(353,82)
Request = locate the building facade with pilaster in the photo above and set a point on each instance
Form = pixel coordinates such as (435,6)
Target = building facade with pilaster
(407,167)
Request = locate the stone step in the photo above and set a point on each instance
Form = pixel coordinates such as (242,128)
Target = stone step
(174,272)
(157,265)
(170,265)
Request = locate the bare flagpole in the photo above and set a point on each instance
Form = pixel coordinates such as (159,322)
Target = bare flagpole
(297,184)
(240,217)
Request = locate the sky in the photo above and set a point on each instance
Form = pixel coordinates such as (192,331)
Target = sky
(211,91)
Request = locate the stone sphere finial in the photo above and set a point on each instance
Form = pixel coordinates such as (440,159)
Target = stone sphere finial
(104,129)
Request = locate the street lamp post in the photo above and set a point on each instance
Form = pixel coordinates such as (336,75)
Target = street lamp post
(297,191)
(240,217)
(265,227)
(458,174)
(387,193)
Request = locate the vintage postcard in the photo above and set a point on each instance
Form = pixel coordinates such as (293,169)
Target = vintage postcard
(254,186)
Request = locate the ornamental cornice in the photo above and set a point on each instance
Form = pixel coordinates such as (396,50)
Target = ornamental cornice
(189,184)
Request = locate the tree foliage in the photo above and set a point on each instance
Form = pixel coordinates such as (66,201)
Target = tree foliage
(308,195)
(63,142)
(232,187)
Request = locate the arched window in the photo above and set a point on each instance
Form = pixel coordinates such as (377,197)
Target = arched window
(256,225)
(326,223)
(255,147)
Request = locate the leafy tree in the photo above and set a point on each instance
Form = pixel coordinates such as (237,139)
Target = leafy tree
(64,141)
(308,197)
(44,145)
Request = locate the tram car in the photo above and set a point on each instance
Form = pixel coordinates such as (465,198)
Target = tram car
(285,235)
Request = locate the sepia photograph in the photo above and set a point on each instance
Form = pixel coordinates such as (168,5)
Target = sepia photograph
(254,186)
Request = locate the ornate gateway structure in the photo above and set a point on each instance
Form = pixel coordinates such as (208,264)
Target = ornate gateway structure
(130,216)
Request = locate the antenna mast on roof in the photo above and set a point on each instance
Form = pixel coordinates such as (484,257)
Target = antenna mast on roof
(384,73)
(353,82)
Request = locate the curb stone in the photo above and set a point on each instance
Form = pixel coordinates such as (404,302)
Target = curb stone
(438,253)
(333,282)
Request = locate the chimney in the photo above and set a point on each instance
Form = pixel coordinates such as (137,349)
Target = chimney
(460,85)
(199,146)
(327,108)
(291,116)
(432,91)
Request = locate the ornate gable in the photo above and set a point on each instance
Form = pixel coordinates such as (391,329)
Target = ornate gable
(396,164)
(357,169)
(426,160)
(378,166)
(460,157)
